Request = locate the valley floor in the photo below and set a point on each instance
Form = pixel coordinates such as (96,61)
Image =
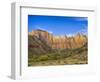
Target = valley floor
(44,60)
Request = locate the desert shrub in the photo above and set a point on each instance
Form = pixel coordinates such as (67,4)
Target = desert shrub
(43,58)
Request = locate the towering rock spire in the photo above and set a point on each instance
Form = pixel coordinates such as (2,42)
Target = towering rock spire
(60,42)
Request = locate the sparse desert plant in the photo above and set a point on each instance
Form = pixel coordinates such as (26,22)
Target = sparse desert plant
(47,56)
(43,58)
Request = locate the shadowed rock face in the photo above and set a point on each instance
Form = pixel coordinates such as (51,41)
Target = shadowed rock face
(59,42)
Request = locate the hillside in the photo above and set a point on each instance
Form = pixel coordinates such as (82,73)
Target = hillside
(60,42)
(37,46)
(46,49)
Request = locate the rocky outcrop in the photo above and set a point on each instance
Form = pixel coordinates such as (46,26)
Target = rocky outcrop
(43,35)
(60,42)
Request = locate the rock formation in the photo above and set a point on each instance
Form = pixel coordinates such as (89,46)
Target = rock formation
(60,42)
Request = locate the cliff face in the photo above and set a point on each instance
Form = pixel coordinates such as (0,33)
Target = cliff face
(60,42)
(69,42)
(43,35)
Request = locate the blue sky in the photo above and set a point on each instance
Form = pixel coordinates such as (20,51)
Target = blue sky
(58,25)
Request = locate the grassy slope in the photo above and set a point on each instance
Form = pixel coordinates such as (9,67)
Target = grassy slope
(46,56)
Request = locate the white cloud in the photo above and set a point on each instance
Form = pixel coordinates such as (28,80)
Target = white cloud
(50,32)
(83,31)
(69,35)
(44,29)
(40,28)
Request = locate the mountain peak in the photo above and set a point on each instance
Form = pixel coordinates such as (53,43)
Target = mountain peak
(65,41)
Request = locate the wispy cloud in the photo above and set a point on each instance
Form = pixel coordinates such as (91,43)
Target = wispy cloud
(69,35)
(83,31)
(44,29)
(38,27)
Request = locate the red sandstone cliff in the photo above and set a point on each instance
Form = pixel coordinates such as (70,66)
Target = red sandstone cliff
(60,42)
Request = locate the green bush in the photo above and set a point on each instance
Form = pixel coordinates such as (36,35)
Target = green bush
(43,58)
